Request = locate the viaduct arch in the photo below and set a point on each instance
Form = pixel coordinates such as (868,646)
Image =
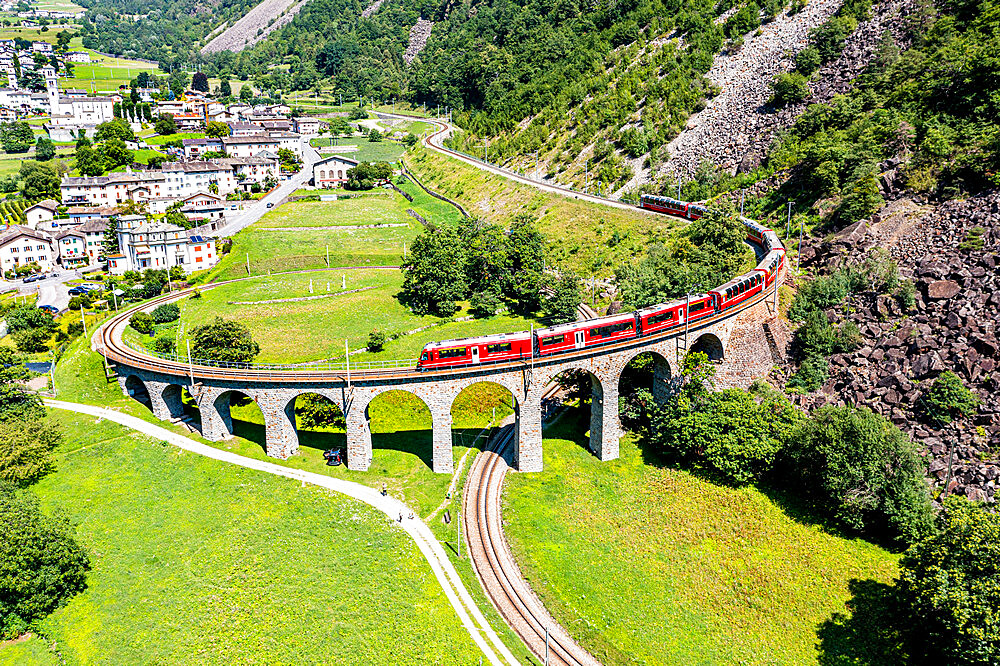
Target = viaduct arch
(733,339)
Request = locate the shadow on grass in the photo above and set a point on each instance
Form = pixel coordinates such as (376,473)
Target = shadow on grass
(572,425)
(868,634)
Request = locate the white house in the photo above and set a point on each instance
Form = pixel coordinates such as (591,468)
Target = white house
(332,171)
(256,169)
(71,246)
(288,140)
(248,146)
(20,246)
(159,245)
(93,233)
(43,211)
(183,179)
(113,189)
(77,56)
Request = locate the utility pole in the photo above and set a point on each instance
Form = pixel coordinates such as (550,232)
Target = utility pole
(546,646)
(458,527)
(678,187)
(190,363)
(798,254)
(83,318)
(788,222)
(248,263)
(742,193)
(347,358)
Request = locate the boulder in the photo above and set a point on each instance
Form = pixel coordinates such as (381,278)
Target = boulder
(942,289)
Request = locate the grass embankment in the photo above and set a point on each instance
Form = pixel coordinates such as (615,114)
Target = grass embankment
(589,238)
(305,247)
(649,565)
(195,559)
(401,439)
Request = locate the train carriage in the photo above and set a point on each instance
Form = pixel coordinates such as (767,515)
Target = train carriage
(663,204)
(771,241)
(697,210)
(658,318)
(771,266)
(755,231)
(581,334)
(473,351)
(738,290)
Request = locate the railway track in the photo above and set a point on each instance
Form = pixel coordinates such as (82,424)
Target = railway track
(495,567)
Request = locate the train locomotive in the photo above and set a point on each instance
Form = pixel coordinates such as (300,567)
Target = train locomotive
(652,320)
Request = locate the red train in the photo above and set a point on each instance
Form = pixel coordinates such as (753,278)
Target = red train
(625,326)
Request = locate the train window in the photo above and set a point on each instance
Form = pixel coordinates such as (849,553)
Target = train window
(696,307)
(551,340)
(423,357)
(663,316)
(452,353)
(498,347)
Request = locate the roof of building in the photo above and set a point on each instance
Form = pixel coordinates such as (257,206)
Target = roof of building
(203,194)
(71,232)
(155,228)
(47,204)
(253,138)
(200,142)
(111,178)
(16,231)
(335,158)
(97,225)
(195,166)
(91,210)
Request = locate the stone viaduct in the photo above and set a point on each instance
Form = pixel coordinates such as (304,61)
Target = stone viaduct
(744,344)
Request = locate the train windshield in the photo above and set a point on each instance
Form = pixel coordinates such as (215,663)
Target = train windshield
(423,356)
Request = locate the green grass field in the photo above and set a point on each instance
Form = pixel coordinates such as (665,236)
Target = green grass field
(159,140)
(387,208)
(380,151)
(589,238)
(649,565)
(197,560)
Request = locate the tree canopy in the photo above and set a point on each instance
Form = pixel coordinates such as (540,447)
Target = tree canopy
(223,340)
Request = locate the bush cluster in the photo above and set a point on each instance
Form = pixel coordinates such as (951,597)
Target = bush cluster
(166,313)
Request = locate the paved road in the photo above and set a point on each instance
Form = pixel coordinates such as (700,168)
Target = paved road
(256,210)
(466,609)
(51,291)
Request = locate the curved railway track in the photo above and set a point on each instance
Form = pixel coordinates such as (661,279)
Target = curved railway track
(495,567)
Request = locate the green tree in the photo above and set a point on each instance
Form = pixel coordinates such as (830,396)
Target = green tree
(15,401)
(141,322)
(16,137)
(949,589)
(948,399)
(862,199)
(560,307)
(374,135)
(225,88)
(45,150)
(199,82)
(39,180)
(41,564)
(116,153)
(225,341)
(807,60)
(178,82)
(166,313)
(25,447)
(114,129)
(165,124)
(526,259)
(217,129)
(862,471)
(376,340)
(88,161)
(109,245)
(31,80)
(434,274)
(788,88)
(733,435)
(246,93)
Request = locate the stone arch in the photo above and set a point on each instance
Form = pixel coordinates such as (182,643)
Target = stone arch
(318,419)
(602,391)
(136,388)
(407,423)
(646,369)
(711,345)
(178,402)
(478,406)
(218,422)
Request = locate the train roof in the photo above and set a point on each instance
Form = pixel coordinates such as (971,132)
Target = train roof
(735,281)
(754,224)
(776,243)
(586,323)
(480,339)
(770,256)
(672,304)
(660,197)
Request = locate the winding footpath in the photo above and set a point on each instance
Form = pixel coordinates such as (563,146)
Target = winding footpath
(468,613)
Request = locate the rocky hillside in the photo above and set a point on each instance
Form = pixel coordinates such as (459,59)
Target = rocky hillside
(258,23)
(953,327)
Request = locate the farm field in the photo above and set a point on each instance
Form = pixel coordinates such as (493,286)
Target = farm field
(160,139)
(379,151)
(649,565)
(105,73)
(243,566)
(587,238)
(378,208)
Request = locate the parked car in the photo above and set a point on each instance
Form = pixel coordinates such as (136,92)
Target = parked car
(78,290)
(33,278)
(51,309)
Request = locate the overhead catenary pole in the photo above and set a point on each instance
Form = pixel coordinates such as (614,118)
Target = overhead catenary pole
(190,363)
(248,263)
(788,222)
(347,357)
(83,318)
(458,526)
(798,253)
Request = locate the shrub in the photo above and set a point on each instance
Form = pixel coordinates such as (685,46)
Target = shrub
(376,340)
(32,340)
(807,60)
(163,345)
(906,295)
(973,240)
(789,87)
(41,564)
(948,589)
(25,444)
(166,313)
(948,399)
(316,411)
(141,322)
(223,340)
(862,471)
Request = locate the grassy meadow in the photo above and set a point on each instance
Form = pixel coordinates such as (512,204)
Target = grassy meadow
(367,151)
(650,565)
(197,560)
(588,238)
